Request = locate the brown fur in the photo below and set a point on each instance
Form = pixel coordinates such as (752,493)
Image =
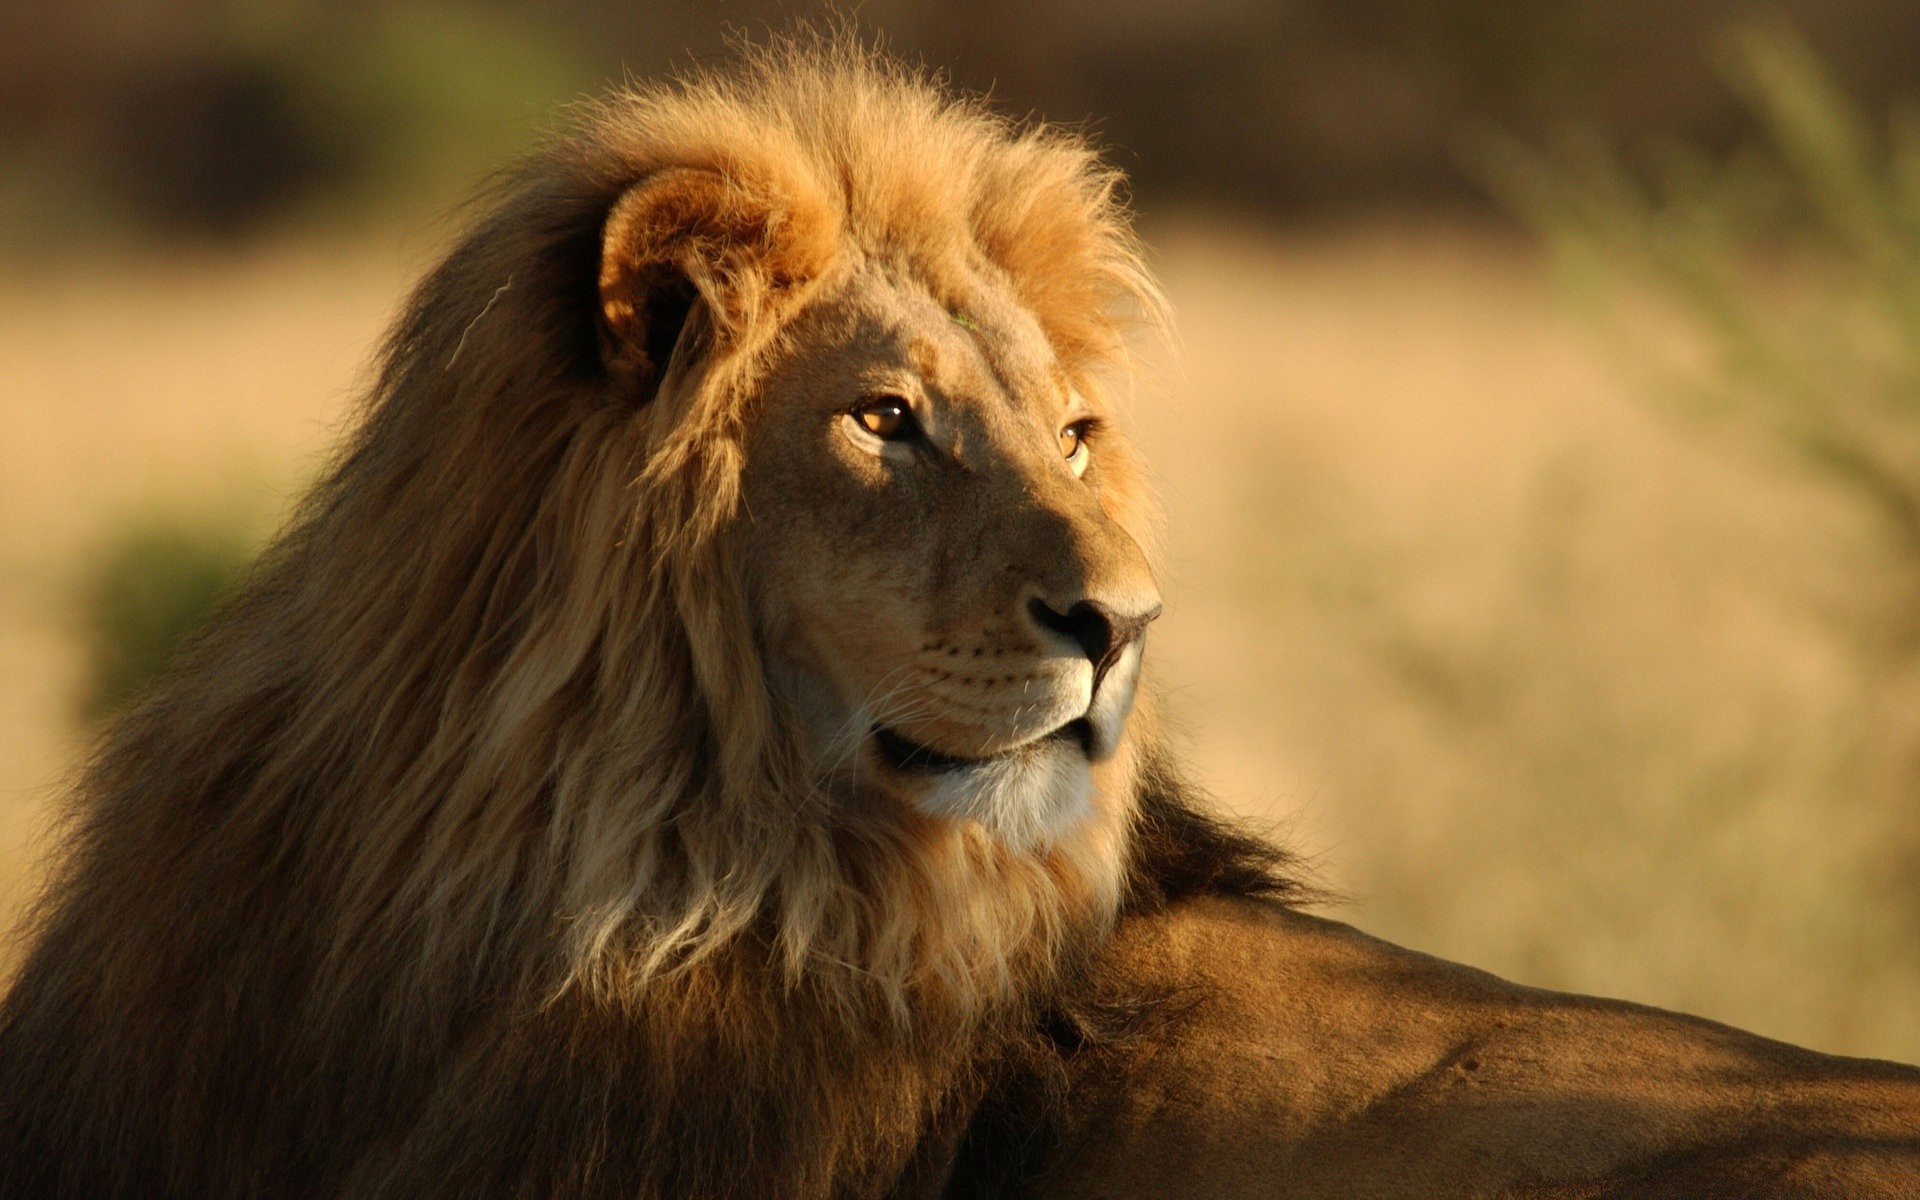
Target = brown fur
(471,852)
(1310,1061)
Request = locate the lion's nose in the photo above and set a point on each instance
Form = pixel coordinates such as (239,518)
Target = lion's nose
(1100,631)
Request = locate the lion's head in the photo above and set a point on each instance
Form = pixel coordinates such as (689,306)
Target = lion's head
(935,533)
(741,539)
(869,338)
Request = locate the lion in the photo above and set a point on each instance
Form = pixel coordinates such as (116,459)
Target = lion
(693,744)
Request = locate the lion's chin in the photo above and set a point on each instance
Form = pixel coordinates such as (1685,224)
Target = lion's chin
(1028,800)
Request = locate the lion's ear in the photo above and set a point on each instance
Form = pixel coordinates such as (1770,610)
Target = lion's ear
(684,237)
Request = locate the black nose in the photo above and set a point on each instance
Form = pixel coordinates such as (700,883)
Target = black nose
(1101,632)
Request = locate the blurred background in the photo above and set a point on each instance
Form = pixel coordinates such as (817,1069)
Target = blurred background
(1542,455)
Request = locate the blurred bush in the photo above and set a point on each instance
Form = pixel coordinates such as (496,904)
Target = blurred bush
(201,120)
(1771,296)
(1775,290)
(151,585)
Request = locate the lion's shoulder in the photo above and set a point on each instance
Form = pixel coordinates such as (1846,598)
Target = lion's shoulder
(1294,1055)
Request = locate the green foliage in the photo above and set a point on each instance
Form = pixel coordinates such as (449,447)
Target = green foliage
(251,113)
(1778,285)
(422,100)
(152,586)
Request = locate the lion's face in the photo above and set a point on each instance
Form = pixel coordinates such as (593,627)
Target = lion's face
(943,594)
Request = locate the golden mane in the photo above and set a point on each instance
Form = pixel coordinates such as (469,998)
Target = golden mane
(573,656)
(486,744)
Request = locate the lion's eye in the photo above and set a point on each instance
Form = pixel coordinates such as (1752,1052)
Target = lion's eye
(1073,444)
(887,418)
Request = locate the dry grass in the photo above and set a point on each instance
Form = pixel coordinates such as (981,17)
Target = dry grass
(1553,686)
(1561,690)
(127,387)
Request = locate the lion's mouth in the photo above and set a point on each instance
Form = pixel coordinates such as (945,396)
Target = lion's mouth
(905,755)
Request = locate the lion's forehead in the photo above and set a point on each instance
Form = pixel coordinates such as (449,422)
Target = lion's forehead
(971,343)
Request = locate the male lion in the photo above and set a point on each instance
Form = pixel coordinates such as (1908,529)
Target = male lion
(684,749)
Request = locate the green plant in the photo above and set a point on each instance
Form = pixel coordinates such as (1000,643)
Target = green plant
(153,584)
(1777,285)
(1775,289)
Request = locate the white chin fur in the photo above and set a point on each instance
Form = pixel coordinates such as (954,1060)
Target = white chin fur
(1026,801)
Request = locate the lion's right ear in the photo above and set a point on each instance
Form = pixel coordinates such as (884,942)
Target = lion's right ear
(688,236)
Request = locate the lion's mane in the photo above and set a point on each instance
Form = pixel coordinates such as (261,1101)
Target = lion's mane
(467,853)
